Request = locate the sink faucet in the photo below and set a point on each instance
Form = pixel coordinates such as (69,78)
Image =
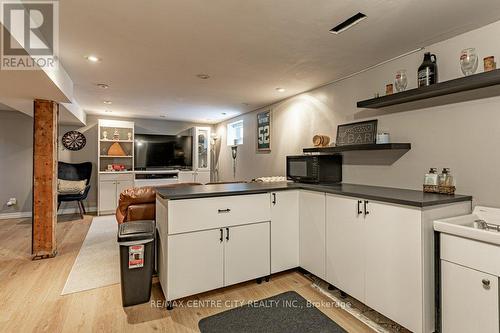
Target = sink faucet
(480,224)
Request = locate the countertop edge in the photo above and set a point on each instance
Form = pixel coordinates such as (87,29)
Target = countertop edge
(444,201)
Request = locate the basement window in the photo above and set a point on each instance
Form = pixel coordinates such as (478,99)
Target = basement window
(235,133)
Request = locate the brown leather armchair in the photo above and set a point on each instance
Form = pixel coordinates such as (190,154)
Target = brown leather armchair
(139,203)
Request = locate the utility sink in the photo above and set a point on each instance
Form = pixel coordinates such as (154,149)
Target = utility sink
(482,225)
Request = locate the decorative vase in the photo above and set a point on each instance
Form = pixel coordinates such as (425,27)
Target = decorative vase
(129,135)
(104,135)
(116,135)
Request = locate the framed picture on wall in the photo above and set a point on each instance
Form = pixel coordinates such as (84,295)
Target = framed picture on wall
(264,131)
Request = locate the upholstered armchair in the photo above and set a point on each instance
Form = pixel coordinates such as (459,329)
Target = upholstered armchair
(75,172)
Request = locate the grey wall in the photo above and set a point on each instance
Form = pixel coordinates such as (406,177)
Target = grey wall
(16,161)
(89,152)
(463,136)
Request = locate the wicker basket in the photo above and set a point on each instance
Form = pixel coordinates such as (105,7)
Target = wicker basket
(439,189)
(447,190)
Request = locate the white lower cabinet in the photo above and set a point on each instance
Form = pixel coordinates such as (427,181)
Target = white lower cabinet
(110,187)
(200,261)
(246,252)
(202,177)
(374,253)
(284,230)
(186,177)
(196,263)
(393,263)
(312,232)
(469,300)
(107,196)
(345,258)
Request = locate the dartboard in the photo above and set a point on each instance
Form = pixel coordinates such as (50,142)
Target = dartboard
(74,140)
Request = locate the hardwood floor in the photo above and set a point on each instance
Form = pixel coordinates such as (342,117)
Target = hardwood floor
(30,298)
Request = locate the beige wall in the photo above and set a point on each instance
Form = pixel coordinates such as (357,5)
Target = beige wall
(89,152)
(462,136)
(16,161)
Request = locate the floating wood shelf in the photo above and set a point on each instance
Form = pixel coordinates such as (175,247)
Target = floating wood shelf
(468,83)
(366,154)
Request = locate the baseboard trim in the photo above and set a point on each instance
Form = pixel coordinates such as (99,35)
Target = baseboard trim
(15,215)
(20,215)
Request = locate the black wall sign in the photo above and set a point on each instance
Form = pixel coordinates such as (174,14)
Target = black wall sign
(264,131)
(363,132)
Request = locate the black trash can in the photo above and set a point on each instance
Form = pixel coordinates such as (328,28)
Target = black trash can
(137,250)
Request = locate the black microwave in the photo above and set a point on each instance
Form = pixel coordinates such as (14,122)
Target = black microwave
(314,168)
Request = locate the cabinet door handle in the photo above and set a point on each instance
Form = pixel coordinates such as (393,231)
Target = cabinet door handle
(486,284)
(221,235)
(365,207)
(224,210)
(274,199)
(227,234)
(359,208)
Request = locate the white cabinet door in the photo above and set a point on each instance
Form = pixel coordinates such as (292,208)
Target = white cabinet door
(246,252)
(202,177)
(201,148)
(393,276)
(186,177)
(121,186)
(284,230)
(195,263)
(312,232)
(345,245)
(107,196)
(469,300)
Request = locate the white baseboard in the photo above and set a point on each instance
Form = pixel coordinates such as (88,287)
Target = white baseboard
(15,215)
(19,215)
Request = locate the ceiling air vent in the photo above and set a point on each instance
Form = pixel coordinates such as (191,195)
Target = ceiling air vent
(348,23)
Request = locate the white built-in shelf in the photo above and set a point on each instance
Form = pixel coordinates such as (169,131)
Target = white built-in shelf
(112,156)
(114,172)
(111,140)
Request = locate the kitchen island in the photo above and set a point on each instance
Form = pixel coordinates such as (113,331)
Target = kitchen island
(374,243)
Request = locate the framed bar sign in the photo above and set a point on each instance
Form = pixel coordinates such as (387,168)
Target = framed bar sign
(364,132)
(264,131)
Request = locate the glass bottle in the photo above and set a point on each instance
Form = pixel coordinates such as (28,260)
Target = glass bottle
(445,178)
(432,177)
(427,72)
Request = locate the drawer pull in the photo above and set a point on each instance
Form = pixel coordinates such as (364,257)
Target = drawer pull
(486,284)
(221,235)
(227,234)
(224,210)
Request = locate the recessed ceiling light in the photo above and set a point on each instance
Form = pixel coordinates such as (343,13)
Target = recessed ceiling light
(203,76)
(102,85)
(349,23)
(107,102)
(93,58)
(108,111)
(280,89)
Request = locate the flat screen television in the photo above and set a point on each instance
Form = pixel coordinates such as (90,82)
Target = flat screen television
(154,152)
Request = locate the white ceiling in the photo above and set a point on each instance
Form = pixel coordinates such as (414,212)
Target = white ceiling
(152,50)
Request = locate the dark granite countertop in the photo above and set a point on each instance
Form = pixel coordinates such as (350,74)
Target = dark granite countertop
(376,193)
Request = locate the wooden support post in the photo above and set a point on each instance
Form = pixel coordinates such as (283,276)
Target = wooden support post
(44,179)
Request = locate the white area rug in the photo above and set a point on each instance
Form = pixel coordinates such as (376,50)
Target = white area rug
(98,262)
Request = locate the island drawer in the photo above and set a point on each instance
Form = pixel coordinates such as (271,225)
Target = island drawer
(207,213)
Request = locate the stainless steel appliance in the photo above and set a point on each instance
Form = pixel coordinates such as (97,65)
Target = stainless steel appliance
(314,168)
